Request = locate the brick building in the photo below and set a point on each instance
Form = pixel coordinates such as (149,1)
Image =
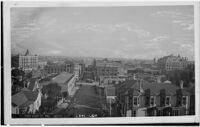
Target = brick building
(171,62)
(152,99)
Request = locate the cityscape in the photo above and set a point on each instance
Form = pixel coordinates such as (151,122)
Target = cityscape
(92,68)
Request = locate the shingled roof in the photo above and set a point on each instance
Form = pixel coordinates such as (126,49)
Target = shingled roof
(128,84)
(24,98)
(154,87)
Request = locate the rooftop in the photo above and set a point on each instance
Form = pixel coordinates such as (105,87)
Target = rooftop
(154,87)
(63,77)
(110,91)
(24,98)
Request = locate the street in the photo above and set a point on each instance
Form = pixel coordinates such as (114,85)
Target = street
(87,101)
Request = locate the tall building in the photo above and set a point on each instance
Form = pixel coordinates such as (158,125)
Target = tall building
(171,62)
(58,68)
(77,71)
(26,62)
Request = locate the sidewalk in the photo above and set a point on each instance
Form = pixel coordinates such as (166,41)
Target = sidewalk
(74,90)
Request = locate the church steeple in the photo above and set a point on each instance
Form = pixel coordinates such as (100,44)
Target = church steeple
(27,52)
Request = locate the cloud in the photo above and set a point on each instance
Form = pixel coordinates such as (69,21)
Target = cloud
(105,28)
(76,13)
(187,46)
(186,24)
(189,27)
(52,52)
(181,17)
(165,13)
(93,33)
(160,38)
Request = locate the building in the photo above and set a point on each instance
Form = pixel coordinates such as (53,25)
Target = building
(171,62)
(152,99)
(89,73)
(105,68)
(78,71)
(58,68)
(28,99)
(147,63)
(66,81)
(106,81)
(110,94)
(26,102)
(42,64)
(26,62)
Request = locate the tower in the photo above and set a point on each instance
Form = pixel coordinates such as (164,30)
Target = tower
(27,52)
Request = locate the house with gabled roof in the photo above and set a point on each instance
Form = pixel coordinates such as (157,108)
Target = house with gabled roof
(28,99)
(152,99)
(26,102)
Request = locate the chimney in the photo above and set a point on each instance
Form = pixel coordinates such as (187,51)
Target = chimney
(141,90)
(134,77)
(181,84)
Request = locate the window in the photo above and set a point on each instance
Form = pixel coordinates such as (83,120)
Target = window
(134,113)
(184,100)
(160,113)
(167,101)
(152,101)
(175,112)
(135,101)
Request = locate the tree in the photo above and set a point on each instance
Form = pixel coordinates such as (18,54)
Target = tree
(53,90)
(29,75)
(17,72)
(65,94)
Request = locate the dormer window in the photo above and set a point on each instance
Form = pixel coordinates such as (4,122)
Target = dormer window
(135,101)
(167,100)
(184,101)
(152,101)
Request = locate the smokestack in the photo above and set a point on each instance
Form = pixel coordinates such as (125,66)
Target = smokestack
(181,84)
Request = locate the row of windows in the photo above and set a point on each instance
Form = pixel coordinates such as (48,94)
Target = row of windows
(58,70)
(153,101)
(28,63)
(28,59)
(169,68)
(24,65)
(176,63)
(108,74)
(175,112)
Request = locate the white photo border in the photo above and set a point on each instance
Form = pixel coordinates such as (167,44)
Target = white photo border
(107,120)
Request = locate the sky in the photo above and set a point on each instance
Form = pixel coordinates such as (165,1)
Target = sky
(141,32)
